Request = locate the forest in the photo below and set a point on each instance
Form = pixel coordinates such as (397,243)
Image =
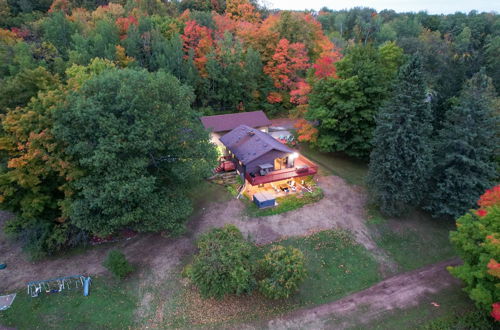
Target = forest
(100,104)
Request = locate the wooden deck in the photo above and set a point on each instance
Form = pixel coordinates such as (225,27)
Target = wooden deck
(284,174)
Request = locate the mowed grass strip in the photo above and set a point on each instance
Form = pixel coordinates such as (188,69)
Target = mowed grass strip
(352,170)
(109,306)
(415,241)
(336,265)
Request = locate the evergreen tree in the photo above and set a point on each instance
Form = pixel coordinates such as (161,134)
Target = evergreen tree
(402,154)
(465,164)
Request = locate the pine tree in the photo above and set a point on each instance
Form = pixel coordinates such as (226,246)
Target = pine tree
(465,149)
(402,154)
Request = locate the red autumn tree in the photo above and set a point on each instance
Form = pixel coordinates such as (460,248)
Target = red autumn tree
(299,94)
(287,64)
(325,65)
(495,312)
(124,23)
(490,197)
(307,132)
(197,39)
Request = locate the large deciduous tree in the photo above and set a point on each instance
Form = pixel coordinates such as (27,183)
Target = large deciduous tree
(140,146)
(346,106)
(401,160)
(465,150)
(35,184)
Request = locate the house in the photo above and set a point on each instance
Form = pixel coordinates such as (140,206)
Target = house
(262,160)
(219,125)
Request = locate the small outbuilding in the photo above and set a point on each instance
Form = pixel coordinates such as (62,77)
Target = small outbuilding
(264,199)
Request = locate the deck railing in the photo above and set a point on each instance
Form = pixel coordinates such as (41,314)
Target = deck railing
(286,173)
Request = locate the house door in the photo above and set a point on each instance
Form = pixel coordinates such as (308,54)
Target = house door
(280,163)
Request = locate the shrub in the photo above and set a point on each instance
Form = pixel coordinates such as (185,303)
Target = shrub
(223,264)
(117,264)
(283,270)
(41,239)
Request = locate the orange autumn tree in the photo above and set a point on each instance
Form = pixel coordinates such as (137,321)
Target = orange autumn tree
(287,65)
(37,183)
(306,131)
(198,40)
(241,10)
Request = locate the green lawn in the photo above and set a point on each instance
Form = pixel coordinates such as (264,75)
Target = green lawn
(109,306)
(455,311)
(336,265)
(415,241)
(350,169)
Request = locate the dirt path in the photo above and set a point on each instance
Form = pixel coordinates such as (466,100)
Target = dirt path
(400,291)
(342,207)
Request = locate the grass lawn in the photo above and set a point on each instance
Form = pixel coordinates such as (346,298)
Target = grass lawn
(415,241)
(285,204)
(109,306)
(455,311)
(350,169)
(336,265)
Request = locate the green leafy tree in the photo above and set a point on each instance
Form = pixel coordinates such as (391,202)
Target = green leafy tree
(35,181)
(223,264)
(346,107)
(477,241)
(465,150)
(17,90)
(100,42)
(492,50)
(141,148)
(402,156)
(57,30)
(283,271)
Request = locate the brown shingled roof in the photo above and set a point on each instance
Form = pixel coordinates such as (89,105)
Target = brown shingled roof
(248,144)
(221,123)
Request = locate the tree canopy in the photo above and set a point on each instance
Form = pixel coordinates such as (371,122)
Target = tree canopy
(134,136)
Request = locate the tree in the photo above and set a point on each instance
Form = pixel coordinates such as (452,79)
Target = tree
(36,183)
(198,40)
(346,106)
(402,153)
(17,91)
(283,270)
(223,264)
(57,30)
(465,149)
(99,42)
(477,241)
(136,138)
(492,49)
(287,65)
